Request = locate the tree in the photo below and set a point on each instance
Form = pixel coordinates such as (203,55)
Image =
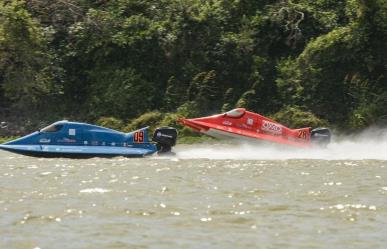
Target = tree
(28,74)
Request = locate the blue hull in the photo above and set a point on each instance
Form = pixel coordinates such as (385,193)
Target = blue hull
(79,151)
(81,140)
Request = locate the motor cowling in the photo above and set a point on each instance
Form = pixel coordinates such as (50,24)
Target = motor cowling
(165,138)
(321,136)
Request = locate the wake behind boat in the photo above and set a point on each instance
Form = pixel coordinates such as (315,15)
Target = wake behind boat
(81,140)
(245,125)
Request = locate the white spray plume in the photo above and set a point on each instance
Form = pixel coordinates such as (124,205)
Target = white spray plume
(369,144)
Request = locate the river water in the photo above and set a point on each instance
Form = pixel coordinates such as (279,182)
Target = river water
(207,196)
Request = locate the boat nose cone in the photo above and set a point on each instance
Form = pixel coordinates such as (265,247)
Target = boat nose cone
(194,124)
(28,139)
(8,147)
(5,146)
(12,142)
(7,143)
(181,120)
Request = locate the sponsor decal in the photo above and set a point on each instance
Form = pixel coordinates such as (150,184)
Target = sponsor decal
(226,122)
(72,132)
(67,140)
(44,140)
(250,121)
(244,126)
(159,134)
(271,127)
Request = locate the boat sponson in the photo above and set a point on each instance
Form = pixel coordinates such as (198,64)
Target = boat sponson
(76,151)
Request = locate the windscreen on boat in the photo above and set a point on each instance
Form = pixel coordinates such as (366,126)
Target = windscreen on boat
(236,113)
(52,128)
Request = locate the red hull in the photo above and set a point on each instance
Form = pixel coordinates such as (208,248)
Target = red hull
(244,124)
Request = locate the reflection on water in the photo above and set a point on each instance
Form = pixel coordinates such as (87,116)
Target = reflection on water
(194,200)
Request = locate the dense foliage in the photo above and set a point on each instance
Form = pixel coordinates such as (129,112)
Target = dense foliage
(318,61)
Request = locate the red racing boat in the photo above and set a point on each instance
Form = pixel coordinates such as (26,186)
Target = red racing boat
(242,124)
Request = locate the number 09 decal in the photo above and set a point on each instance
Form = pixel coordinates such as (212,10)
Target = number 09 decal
(138,137)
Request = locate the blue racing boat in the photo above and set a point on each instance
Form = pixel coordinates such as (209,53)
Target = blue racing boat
(81,140)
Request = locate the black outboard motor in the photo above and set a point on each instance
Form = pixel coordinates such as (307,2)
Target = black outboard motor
(165,137)
(321,136)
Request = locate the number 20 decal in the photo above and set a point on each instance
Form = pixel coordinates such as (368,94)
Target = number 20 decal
(138,137)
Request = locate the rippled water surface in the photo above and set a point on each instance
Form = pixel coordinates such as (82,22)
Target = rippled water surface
(197,199)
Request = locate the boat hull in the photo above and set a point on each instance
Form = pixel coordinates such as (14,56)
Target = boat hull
(81,140)
(245,125)
(226,132)
(52,151)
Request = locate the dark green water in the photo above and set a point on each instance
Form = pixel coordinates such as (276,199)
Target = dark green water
(194,200)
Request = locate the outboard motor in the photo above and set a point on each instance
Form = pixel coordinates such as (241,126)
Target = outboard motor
(165,138)
(321,136)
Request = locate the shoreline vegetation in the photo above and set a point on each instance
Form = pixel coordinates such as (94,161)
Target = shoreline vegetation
(133,63)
